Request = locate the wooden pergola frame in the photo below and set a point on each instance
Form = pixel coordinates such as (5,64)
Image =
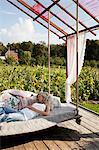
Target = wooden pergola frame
(96,27)
(55,15)
(33,18)
(90,14)
(50,23)
(47,9)
(45,19)
(55,2)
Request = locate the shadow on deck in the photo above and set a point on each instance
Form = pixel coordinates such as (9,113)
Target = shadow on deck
(53,133)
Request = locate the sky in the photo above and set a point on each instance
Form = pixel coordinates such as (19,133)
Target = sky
(15,26)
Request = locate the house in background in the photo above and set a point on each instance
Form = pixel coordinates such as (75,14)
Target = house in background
(11,53)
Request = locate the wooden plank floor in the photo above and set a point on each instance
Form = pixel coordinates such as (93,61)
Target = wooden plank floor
(66,136)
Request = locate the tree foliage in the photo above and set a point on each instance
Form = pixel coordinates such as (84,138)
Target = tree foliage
(92,50)
(39,52)
(3,49)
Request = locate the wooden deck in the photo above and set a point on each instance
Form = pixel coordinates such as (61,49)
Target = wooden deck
(66,136)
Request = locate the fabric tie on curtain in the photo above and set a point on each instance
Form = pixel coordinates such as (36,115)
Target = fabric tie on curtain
(71,61)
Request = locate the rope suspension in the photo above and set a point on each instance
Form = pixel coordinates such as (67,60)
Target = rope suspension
(49,51)
(77,33)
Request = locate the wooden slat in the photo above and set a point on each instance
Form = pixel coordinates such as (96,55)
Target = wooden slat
(89,115)
(84,141)
(19,147)
(40,144)
(67,142)
(51,145)
(30,146)
(74,145)
(93,124)
(87,133)
(90,120)
(92,129)
(62,145)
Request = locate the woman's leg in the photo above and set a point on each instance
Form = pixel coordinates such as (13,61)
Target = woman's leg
(1,111)
(8,110)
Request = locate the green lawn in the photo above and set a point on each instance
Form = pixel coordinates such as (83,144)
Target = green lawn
(93,107)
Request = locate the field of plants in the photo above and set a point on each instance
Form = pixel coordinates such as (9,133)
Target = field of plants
(36,79)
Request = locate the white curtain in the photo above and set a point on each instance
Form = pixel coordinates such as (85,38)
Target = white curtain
(71,61)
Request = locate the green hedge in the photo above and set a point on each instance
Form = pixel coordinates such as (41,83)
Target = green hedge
(36,78)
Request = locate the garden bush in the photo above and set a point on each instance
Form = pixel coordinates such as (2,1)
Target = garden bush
(92,63)
(88,84)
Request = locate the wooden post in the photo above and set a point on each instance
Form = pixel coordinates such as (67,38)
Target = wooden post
(49,51)
(77,32)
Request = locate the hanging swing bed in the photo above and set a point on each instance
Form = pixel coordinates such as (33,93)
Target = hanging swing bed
(58,18)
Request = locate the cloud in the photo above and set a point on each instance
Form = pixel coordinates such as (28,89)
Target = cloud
(23,30)
(7,13)
(44,37)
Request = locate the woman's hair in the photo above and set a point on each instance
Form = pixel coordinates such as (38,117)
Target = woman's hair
(45,95)
(47,98)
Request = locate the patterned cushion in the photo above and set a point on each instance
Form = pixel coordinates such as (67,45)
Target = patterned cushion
(9,101)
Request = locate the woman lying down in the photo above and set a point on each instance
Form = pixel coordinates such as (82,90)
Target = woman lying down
(14,109)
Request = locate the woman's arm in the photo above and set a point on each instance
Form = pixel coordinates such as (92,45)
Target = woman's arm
(44,113)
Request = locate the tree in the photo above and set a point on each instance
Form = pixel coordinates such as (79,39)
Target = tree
(92,50)
(13,46)
(3,49)
(26,46)
(40,49)
(24,57)
(58,50)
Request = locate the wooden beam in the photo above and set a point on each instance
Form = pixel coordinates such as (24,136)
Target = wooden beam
(45,19)
(60,6)
(33,17)
(91,15)
(96,27)
(56,16)
(54,3)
